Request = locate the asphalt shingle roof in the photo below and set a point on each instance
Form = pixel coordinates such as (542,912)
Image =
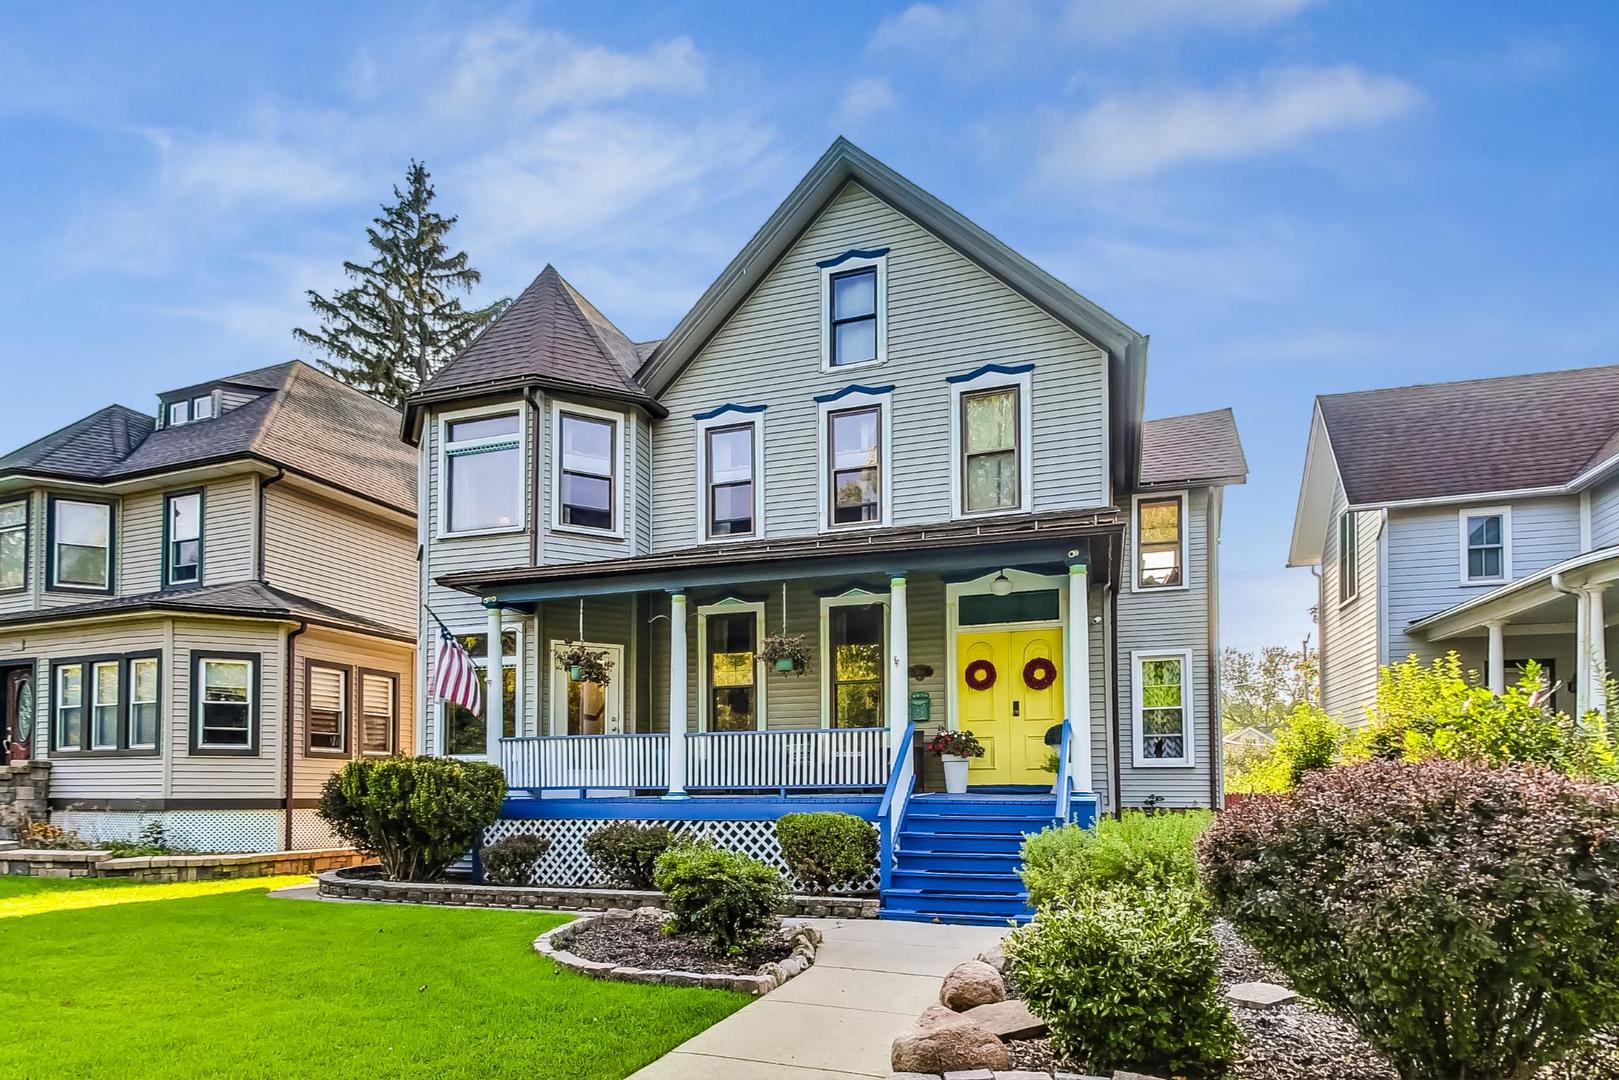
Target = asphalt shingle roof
(1195,447)
(306,420)
(240,598)
(1472,437)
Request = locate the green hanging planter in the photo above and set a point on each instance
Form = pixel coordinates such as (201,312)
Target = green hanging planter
(784,663)
(574,671)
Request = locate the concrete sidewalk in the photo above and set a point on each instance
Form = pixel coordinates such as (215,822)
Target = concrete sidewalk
(838,1019)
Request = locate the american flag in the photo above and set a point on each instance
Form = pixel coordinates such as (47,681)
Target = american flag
(457,675)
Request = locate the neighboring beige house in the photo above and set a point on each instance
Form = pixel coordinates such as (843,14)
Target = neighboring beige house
(203,614)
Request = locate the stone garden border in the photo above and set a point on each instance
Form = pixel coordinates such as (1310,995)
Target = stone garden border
(95,863)
(347,886)
(552,944)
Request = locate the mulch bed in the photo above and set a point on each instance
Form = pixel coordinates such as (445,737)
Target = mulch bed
(1301,1041)
(642,943)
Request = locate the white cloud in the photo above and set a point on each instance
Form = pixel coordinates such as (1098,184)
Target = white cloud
(994,27)
(1115,21)
(527,71)
(865,98)
(227,171)
(1125,137)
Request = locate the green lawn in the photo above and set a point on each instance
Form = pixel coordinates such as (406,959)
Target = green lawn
(218,979)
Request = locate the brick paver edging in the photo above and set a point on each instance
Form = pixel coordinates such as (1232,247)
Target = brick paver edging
(552,945)
(344,886)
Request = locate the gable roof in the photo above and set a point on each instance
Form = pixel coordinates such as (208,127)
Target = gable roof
(1198,448)
(306,421)
(1476,437)
(844,162)
(550,336)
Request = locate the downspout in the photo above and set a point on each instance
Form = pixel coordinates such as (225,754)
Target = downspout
(280,475)
(286,733)
(1116,549)
(533,485)
(1212,586)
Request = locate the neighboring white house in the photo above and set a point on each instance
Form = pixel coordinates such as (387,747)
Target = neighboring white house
(1478,516)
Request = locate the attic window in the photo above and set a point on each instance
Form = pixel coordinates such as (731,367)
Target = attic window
(190,411)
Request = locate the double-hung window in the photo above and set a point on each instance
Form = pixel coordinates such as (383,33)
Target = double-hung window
(379,704)
(482,464)
(144,707)
(1486,542)
(1160,540)
(326,708)
(106,704)
(68,697)
(464,732)
(855,644)
(854,314)
(855,466)
(1162,698)
(105,686)
(990,469)
(1348,556)
(13,545)
(731,461)
(731,668)
(587,455)
(80,545)
(182,543)
(225,704)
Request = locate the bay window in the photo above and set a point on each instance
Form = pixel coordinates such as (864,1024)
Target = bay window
(144,707)
(482,467)
(68,699)
(104,713)
(13,545)
(106,705)
(587,450)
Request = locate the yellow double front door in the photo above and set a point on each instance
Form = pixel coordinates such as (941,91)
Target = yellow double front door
(1009,716)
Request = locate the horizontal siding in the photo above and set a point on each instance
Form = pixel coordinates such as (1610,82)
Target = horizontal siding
(309,772)
(340,556)
(563,546)
(230,525)
(945,316)
(140,543)
(1170,619)
(200,777)
(1349,630)
(1605,514)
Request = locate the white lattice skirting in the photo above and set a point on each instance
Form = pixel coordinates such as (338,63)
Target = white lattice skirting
(566,863)
(309,831)
(203,830)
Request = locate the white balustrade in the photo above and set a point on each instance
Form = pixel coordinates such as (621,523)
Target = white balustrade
(806,758)
(586,761)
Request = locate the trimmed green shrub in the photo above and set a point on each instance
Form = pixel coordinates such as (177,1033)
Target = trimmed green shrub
(417,815)
(1133,849)
(511,861)
(1462,917)
(827,850)
(627,852)
(1127,979)
(727,895)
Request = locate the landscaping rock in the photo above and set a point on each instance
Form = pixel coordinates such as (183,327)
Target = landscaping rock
(995,958)
(941,1041)
(913,1076)
(1009,1019)
(970,984)
(970,1074)
(1260,995)
(1120,1074)
(1020,1074)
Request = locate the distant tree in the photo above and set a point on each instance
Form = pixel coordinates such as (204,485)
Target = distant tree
(399,322)
(1259,689)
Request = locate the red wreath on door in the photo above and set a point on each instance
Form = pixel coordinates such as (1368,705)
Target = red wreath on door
(980,675)
(1039,673)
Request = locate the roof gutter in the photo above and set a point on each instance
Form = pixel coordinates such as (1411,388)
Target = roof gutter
(410,423)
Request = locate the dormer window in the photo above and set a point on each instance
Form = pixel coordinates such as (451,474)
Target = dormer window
(202,408)
(190,410)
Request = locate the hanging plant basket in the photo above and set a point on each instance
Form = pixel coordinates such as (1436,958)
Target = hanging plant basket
(584,664)
(785,653)
(919,672)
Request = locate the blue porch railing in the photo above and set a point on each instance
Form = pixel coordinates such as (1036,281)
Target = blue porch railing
(1065,770)
(891,811)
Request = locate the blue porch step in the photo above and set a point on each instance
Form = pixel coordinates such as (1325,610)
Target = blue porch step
(958,857)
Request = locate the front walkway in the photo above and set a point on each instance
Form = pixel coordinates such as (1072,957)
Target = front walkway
(838,1020)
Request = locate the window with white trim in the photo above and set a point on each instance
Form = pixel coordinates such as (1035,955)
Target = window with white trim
(326,709)
(144,705)
(81,545)
(587,457)
(854,465)
(1348,556)
(728,637)
(464,732)
(482,462)
(730,460)
(1160,542)
(1486,538)
(855,636)
(854,310)
(379,711)
(68,698)
(224,694)
(106,705)
(1161,690)
(13,545)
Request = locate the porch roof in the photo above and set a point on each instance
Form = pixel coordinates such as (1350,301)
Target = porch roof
(1538,598)
(1084,536)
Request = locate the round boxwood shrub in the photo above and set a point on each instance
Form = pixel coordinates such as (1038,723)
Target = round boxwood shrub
(511,861)
(1127,978)
(626,852)
(1463,917)
(1133,849)
(727,895)
(828,850)
(417,815)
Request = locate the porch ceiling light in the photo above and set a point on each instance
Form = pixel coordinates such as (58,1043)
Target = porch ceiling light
(1002,585)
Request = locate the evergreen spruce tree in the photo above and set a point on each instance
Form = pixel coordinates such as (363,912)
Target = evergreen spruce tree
(399,322)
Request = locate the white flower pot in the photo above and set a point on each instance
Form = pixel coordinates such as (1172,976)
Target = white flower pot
(955,773)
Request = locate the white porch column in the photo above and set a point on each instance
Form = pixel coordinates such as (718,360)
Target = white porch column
(1582,653)
(1077,685)
(1497,658)
(677,697)
(494,708)
(899,664)
(1598,654)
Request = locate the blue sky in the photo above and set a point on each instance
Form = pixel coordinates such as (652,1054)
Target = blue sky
(1291,196)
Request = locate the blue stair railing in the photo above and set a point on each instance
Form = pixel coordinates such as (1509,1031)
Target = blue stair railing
(891,811)
(1065,768)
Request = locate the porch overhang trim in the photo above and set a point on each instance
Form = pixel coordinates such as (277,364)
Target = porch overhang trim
(1502,603)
